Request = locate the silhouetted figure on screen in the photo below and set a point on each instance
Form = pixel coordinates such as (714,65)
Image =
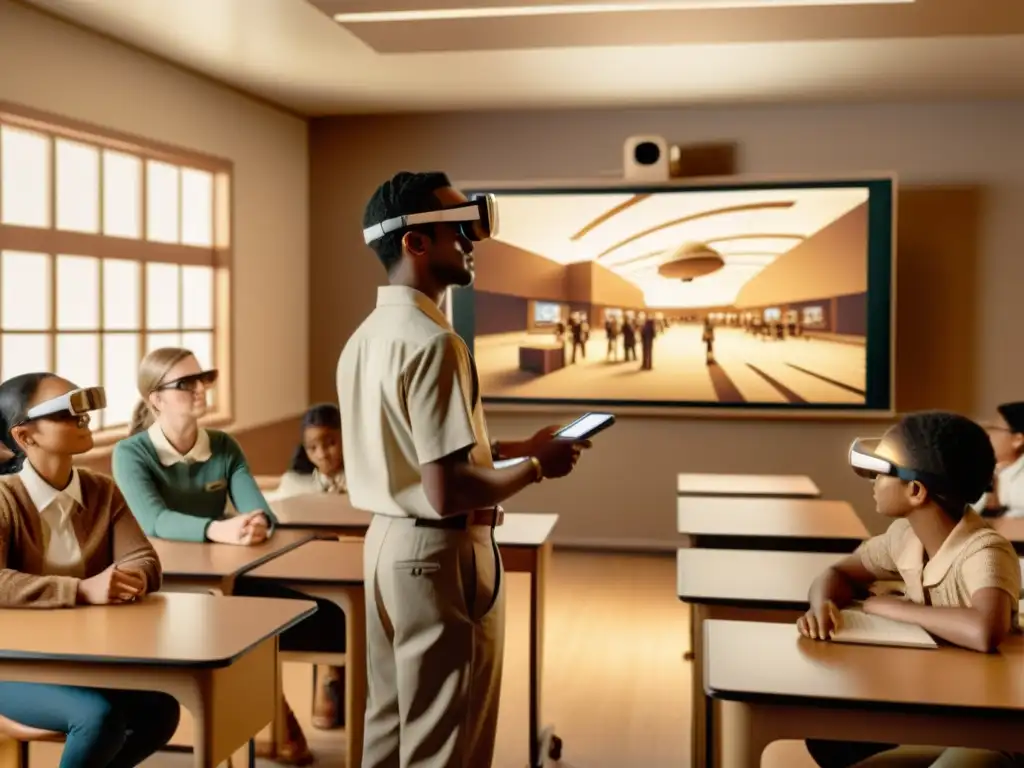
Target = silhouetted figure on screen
(578,339)
(629,337)
(611,330)
(647,333)
(709,341)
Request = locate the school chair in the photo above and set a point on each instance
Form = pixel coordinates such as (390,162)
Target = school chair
(24,735)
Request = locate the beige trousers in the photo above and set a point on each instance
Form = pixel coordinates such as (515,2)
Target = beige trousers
(435,630)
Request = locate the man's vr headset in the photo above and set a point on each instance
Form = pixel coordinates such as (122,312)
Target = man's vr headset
(868,464)
(70,405)
(476,220)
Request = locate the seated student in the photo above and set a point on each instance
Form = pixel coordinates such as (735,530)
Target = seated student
(1007,436)
(318,467)
(178,479)
(67,538)
(962,579)
(317,464)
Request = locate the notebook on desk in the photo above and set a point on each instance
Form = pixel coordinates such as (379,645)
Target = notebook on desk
(865,629)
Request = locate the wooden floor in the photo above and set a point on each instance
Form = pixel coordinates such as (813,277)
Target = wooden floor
(616,685)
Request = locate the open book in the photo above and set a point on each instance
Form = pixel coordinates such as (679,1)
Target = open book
(864,628)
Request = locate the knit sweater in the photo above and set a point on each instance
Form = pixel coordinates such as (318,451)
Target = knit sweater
(107,533)
(180,501)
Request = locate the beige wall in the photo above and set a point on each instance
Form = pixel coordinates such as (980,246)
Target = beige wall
(48,65)
(831,263)
(623,492)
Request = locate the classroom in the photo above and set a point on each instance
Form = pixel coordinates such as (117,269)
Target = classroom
(195,175)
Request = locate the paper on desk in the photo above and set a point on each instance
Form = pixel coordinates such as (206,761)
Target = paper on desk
(867,629)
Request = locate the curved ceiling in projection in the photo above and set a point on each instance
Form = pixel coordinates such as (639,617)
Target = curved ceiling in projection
(634,234)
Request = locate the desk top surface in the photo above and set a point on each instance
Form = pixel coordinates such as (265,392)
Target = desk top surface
(794,518)
(207,559)
(784,486)
(748,576)
(753,660)
(166,629)
(336,561)
(332,510)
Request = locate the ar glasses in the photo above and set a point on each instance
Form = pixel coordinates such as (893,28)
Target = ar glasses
(868,464)
(476,220)
(191,382)
(71,405)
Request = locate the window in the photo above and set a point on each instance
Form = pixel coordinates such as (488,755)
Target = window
(109,248)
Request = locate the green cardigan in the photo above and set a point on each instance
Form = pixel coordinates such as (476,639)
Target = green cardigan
(180,501)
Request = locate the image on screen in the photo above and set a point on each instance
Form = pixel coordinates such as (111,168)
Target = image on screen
(737,296)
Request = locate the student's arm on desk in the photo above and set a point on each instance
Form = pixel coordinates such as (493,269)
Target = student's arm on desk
(26,590)
(245,493)
(992,577)
(131,549)
(140,491)
(844,582)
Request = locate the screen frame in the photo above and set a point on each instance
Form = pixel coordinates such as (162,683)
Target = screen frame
(882,232)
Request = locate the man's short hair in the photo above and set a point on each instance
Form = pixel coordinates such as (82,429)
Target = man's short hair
(952,448)
(402,194)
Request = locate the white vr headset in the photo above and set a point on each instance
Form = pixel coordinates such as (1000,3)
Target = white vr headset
(476,220)
(868,464)
(69,405)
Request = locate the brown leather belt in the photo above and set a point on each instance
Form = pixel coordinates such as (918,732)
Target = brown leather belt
(486,517)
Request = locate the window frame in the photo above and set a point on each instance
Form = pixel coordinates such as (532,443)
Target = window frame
(54,243)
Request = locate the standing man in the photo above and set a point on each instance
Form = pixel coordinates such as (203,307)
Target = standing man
(417,455)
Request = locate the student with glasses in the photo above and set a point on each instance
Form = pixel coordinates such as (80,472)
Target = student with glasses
(67,539)
(1006,431)
(179,479)
(961,578)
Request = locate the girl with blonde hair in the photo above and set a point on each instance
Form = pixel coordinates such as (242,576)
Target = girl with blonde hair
(178,478)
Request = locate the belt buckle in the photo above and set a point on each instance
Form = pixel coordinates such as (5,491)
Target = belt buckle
(499,516)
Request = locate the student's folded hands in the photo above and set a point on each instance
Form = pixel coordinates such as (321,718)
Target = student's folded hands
(112,585)
(820,622)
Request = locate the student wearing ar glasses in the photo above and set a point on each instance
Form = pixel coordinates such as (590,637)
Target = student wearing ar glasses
(961,578)
(1006,432)
(67,538)
(179,479)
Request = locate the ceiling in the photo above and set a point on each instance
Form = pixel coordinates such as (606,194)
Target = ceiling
(632,235)
(293,53)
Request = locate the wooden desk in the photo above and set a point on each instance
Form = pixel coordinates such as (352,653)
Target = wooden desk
(776,486)
(205,566)
(1013,529)
(768,684)
(216,655)
(802,525)
(738,584)
(332,570)
(525,543)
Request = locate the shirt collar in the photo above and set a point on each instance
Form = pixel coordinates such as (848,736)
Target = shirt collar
(332,484)
(43,494)
(169,455)
(932,572)
(399,295)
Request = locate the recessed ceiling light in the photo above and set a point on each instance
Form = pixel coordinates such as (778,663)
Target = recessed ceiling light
(439,14)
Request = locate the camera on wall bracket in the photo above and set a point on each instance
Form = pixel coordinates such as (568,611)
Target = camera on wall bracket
(646,158)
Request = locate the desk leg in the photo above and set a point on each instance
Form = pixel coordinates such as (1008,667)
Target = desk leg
(353,603)
(737,741)
(699,753)
(543,741)
(686,542)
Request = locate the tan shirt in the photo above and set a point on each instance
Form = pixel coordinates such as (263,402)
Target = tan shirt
(107,533)
(972,557)
(409,395)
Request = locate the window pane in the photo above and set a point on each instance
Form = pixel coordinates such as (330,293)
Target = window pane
(78,187)
(24,353)
(25,291)
(120,370)
(197,297)
(201,345)
(78,293)
(158,340)
(196,207)
(121,295)
(161,202)
(25,162)
(162,303)
(78,358)
(122,195)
